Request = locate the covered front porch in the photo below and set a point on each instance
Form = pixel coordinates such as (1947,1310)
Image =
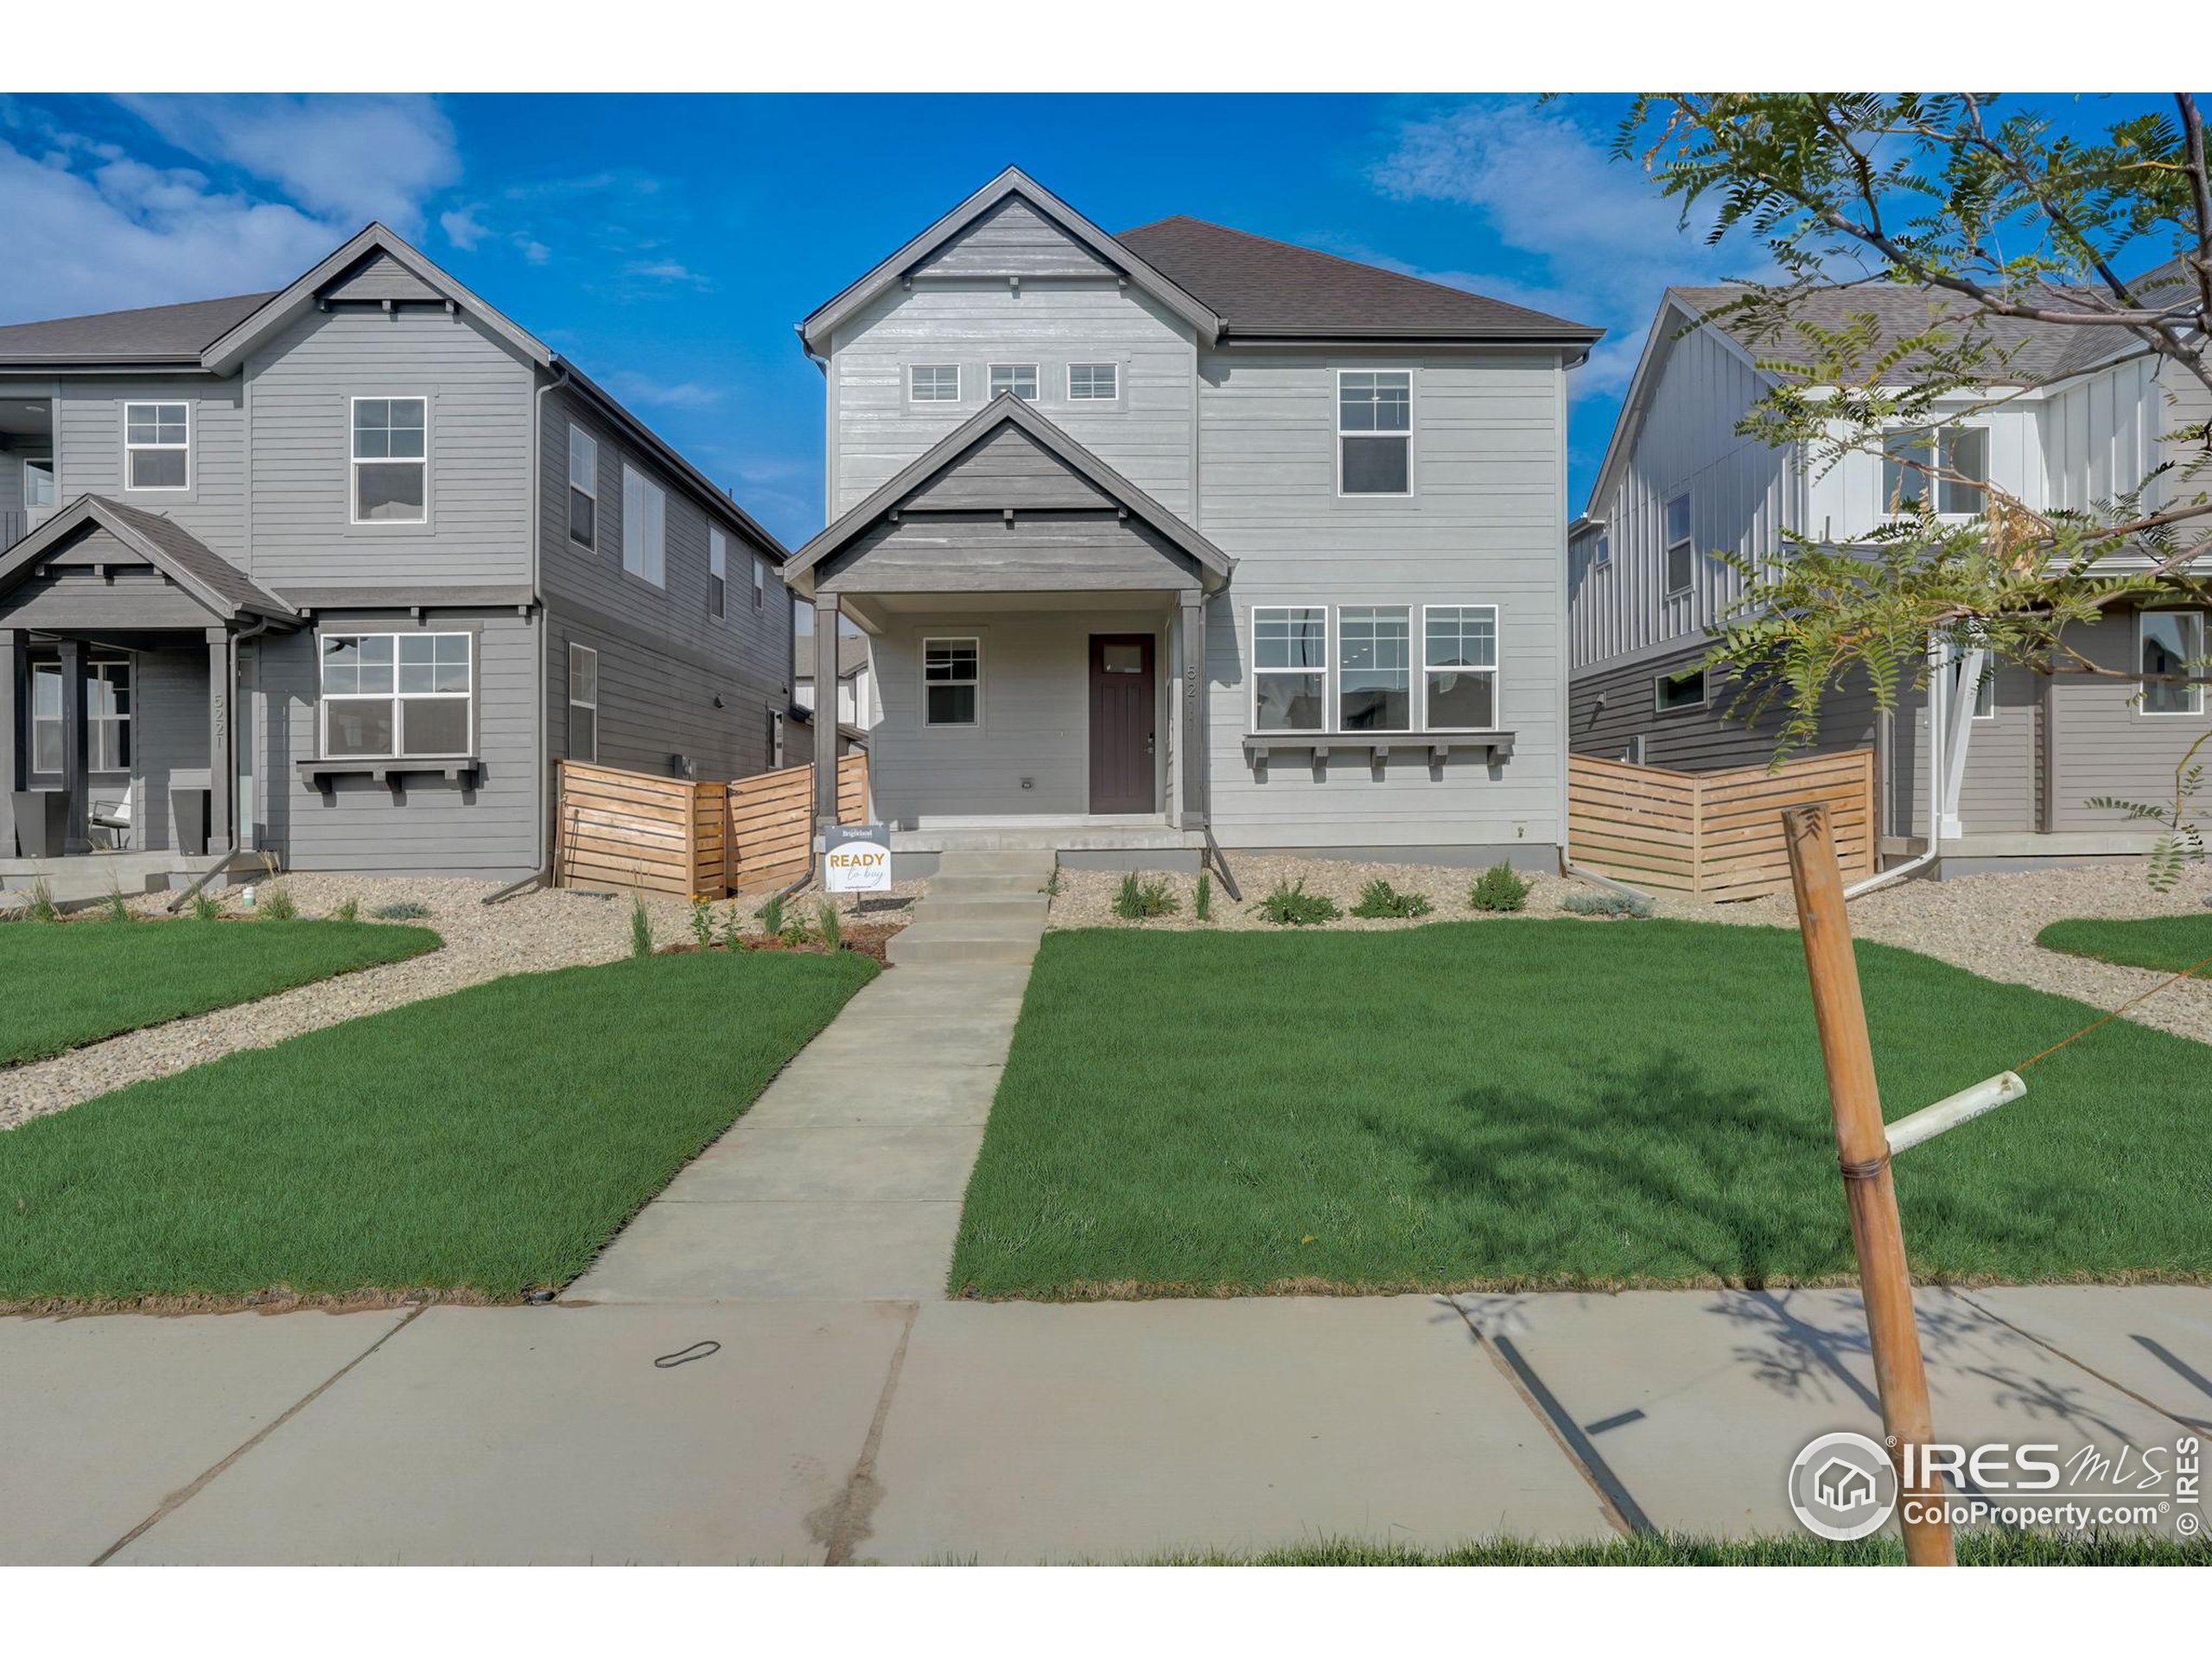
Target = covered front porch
(1038,629)
(118,706)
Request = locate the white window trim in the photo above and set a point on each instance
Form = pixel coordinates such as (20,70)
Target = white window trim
(590,489)
(1667,547)
(1327,671)
(1986,687)
(2196,710)
(1704,692)
(575,701)
(355,463)
(1113,369)
(759,583)
(324,699)
(54,476)
(1601,551)
(652,560)
(131,448)
(1495,670)
(922,669)
(958,378)
(1336,422)
(1932,440)
(44,665)
(718,569)
(1036,378)
(1414,712)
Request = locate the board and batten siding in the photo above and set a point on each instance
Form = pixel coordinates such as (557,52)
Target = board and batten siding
(299,388)
(1743,495)
(429,826)
(1144,434)
(1483,527)
(88,440)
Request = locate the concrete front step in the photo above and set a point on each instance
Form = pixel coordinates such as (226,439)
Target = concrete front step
(977,887)
(966,941)
(1028,862)
(981,908)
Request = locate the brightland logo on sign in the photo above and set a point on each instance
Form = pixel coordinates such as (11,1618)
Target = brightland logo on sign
(856,858)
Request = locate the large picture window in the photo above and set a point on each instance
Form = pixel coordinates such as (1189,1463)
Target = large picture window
(952,673)
(391,467)
(2171,642)
(1374,424)
(583,487)
(645,528)
(1375,676)
(1459,668)
(107,715)
(397,696)
(583,703)
(157,446)
(1290,669)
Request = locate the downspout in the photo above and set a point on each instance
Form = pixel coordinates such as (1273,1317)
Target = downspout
(1938,775)
(543,834)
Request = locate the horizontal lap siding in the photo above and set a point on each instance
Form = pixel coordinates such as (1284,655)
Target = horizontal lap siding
(2102,744)
(88,449)
(1611,706)
(488,828)
(1483,528)
(170,733)
(653,704)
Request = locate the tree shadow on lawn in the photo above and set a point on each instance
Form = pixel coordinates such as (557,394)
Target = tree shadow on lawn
(1658,1172)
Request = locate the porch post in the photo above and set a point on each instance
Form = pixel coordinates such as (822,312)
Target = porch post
(1193,693)
(825,710)
(222,770)
(77,838)
(13,736)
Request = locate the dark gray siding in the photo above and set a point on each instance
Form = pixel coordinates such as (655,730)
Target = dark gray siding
(89,453)
(169,743)
(657,700)
(1608,709)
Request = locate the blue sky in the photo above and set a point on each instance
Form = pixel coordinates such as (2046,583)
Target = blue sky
(669,243)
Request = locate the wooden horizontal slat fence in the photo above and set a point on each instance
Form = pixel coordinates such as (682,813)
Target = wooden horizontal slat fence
(677,835)
(1713,835)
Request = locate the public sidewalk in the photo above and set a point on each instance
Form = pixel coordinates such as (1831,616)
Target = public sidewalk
(921,1430)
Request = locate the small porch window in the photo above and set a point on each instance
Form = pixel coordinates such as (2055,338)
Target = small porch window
(157,446)
(951,684)
(2171,642)
(107,715)
(1290,668)
(1374,685)
(583,703)
(1459,667)
(397,696)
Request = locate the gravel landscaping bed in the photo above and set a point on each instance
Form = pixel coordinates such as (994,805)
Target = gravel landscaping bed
(1086,897)
(533,933)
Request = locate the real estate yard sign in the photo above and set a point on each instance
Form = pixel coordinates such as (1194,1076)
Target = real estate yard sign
(856,858)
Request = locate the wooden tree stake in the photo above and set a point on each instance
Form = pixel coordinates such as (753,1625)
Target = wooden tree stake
(1863,1149)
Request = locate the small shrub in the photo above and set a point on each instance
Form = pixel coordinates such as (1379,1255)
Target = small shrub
(348,911)
(641,929)
(1605,902)
(1378,898)
(277,906)
(829,927)
(206,907)
(401,910)
(1290,905)
(1201,904)
(1140,901)
(733,927)
(41,908)
(1499,887)
(772,915)
(115,907)
(702,923)
(1053,883)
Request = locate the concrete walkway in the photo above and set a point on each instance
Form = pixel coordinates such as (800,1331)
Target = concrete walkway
(905,1431)
(844,1181)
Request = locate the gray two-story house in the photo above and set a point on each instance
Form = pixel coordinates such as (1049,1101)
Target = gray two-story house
(338,573)
(1185,535)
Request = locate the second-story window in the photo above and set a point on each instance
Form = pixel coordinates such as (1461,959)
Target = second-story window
(645,528)
(759,582)
(1093,382)
(1951,463)
(717,573)
(1374,431)
(157,446)
(39,490)
(935,383)
(583,487)
(1682,546)
(391,467)
(1020,378)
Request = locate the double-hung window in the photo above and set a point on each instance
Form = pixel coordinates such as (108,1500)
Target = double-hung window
(391,466)
(759,582)
(1681,545)
(107,716)
(583,487)
(1020,378)
(1093,382)
(717,573)
(397,696)
(2171,642)
(1290,668)
(583,703)
(1375,426)
(1459,668)
(645,528)
(1952,463)
(157,446)
(1375,675)
(934,383)
(952,672)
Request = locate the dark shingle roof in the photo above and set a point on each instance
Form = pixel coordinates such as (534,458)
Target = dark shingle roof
(1263,287)
(154,331)
(191,555)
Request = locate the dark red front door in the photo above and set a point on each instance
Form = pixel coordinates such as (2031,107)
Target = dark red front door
(1122,711)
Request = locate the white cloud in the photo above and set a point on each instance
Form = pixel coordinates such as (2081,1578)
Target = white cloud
(463,229)
(665,271)
(643,390)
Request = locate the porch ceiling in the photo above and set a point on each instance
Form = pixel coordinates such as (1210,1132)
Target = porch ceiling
(865,606)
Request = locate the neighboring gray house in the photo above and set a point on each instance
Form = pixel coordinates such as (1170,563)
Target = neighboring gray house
(856,700)
(2016,755)
(1185,534)
(339,573)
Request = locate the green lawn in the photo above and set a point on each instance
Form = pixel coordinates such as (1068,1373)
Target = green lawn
(485,1142)
(75,982)
(1534,1102)
(2165,944)
(1974,1549)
